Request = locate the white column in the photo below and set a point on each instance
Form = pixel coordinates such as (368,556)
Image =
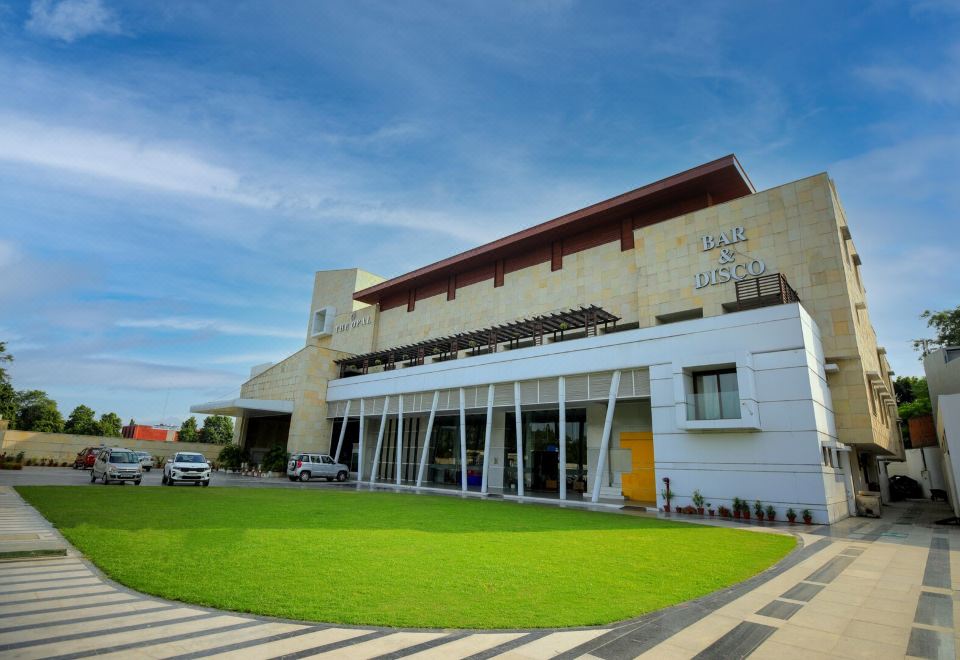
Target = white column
(426,439)
(363,432)
(343,432)
(463,442)
(519,427)
(562,458)
(376,453)
(486,440)
(605,441)
(399,436)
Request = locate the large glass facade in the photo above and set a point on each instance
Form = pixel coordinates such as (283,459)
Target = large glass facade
(443,463)
(541,451)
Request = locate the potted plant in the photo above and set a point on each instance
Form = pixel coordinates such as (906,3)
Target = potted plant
(698,501)
(758,510)
(745,509)
(710,510)
(807,516)
(665,494)
(771,513)
(791,515)
(725,512)
(737,508)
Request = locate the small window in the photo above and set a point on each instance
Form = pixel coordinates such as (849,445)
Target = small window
(322,323)
(327,459)
(716,395)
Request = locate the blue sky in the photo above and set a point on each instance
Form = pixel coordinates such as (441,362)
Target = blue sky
(171,174)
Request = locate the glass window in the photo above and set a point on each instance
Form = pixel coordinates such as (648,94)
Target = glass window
(716,395)
(541,451)
(325,459)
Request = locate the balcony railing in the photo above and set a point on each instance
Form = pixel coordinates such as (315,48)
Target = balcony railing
(764,291)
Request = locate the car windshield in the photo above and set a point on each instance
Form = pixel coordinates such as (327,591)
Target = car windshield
(190,458)
(143,454)
(122,457)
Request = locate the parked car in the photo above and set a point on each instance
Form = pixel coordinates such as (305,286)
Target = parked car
(146,460)
(305,466)
(86,458)
(904,488)
(186,467)
(116,464)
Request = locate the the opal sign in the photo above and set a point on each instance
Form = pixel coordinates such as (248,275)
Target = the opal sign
(729,268)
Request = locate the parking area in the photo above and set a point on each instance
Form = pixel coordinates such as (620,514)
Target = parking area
(46,476)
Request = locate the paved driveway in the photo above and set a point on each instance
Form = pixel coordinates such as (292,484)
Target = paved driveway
(43,476)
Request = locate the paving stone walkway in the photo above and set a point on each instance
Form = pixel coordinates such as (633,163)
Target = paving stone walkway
(863,588)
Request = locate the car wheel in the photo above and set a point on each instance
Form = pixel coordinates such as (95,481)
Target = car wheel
(329,479)
(341,476)
(74,466)
(206,483)
(304,476)
(292,478)
(148,469)
(93,477)
(106,481)
(136,482)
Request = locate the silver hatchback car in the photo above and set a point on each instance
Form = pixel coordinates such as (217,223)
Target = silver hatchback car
(117,464)
(305,466)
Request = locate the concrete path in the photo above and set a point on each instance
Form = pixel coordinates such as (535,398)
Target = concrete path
(864,588)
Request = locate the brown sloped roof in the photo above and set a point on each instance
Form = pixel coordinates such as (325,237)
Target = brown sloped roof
(711,183)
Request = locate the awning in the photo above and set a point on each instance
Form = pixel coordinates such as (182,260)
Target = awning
(244,407)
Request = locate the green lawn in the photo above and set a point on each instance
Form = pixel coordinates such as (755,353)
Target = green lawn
(398,560)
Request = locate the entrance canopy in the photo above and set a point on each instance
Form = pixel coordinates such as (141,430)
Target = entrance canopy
(244,407)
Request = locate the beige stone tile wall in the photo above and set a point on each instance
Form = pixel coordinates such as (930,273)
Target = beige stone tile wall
(301,378)
(335,288)
(603,276)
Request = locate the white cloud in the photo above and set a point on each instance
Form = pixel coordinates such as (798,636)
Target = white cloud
(933,85)
(187,324)
(121,159)
(69,20)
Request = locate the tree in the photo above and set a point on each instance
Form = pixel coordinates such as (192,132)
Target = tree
(82,421)
(947,325)
(4,357)
(110,425)
(38,412)
(188,430)
(217,430)
(919,403)
(904,387)
(8,402)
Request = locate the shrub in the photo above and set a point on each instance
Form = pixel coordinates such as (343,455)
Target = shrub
(232,456)
(275,460)
(698,499)
(758,509)
(11,465)
(19,457)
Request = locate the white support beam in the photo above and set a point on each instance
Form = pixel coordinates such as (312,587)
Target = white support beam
(486,441)
(363,432)
(605,442)
(399,436)
(519,427)
(463,441)
(426,439)
(343,432)
(562,459)
(376,453)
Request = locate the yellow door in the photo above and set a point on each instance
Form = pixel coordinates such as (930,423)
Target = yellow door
(640,484)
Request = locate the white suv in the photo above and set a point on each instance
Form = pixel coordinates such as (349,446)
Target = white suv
(116,464)
(303,466)
(184,467)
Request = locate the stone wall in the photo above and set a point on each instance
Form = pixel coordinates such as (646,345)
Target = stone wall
(65,447)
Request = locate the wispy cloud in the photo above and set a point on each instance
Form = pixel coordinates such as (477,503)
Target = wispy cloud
(187,324)
(69,20)
(118,158)
(940,84)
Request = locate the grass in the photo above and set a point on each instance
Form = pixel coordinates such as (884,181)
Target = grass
(396,559)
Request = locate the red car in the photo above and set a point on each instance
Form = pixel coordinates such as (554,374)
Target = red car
(86,458)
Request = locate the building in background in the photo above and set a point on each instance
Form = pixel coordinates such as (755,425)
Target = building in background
(693,329)
(942,369)
(160,432)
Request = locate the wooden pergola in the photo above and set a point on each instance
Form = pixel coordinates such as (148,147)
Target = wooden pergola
(554,324)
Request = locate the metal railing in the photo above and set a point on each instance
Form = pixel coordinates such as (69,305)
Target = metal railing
(765,291)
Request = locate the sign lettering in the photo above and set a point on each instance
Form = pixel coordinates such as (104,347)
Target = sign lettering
(729,268)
